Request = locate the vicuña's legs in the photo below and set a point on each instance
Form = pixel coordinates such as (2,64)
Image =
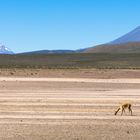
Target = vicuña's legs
(123,110)
(130,110)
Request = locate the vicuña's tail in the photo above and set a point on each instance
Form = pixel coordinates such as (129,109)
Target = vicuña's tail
(117,111)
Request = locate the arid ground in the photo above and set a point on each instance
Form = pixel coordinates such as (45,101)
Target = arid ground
(66,106)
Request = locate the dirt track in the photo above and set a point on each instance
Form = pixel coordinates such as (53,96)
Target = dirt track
(68,109)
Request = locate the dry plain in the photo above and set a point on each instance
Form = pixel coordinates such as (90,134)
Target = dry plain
(64,108)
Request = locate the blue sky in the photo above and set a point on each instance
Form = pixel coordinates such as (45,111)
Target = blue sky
(27,25)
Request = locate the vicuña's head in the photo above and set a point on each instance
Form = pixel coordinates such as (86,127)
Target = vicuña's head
(115,112)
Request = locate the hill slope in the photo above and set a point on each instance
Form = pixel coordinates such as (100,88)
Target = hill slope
(129,43)
(133,36)
(133,47)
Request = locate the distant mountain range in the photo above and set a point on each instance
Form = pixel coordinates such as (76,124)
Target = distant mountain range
(50,52)
(128,43)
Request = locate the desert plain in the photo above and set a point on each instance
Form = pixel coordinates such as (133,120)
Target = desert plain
(68,104)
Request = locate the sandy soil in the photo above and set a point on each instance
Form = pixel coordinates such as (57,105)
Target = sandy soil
(68,109)
(70,73)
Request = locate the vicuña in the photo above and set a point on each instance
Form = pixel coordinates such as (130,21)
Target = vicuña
(123,107)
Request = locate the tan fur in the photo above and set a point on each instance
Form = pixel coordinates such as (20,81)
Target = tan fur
(123,107)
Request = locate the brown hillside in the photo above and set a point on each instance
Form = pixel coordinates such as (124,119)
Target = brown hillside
(133,47)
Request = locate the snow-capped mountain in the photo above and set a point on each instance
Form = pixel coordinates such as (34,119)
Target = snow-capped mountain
(5,50)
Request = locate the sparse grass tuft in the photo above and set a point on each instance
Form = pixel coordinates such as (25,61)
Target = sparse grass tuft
(71,61)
